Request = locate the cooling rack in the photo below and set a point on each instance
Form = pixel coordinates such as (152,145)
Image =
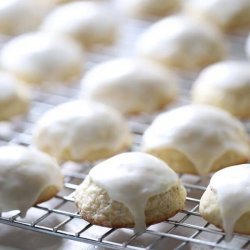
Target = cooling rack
(186,230)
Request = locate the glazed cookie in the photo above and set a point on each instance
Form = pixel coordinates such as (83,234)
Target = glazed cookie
(18,16)
(225,16)
(181,42)
(41,57)
(14,97)
(130,86)
(88,22)
(197,139)
(27,177)
(226,202)
(82,131)
(225,85)
(130,190)
(148,8)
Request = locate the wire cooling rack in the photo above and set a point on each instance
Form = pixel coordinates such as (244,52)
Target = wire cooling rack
(186,230)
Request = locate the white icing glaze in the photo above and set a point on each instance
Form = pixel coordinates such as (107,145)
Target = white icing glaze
(232,189)
(202,133)
(219,10)
(181,40)
(14,96)
(230,76)
(88,22)
(80,127)
(130,85)
(132,178)
(17,16)
(42,57)
(24,174)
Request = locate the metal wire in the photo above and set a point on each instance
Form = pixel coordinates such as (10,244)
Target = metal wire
(186,230)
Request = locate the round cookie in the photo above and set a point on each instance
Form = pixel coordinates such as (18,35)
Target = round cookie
(129,85)
(88,22)
(14,97)
(41,57)
(226,202)
(148,8)
(130,190)
(27,177)
(197,139)
(180,42)
(18,16)
(225,85)
(227,17)
(82,131)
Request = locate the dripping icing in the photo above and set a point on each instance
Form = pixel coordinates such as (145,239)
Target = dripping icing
(233,194)
(132,178)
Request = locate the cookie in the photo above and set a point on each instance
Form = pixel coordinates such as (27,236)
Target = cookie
(27,177)
(225,202)
(227,17)
(225,85)
(130,190)
(180,42)
(88,22)
(197,139)
(42,57)
(19,16)
(82,131)
(15,97)
(131,86)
